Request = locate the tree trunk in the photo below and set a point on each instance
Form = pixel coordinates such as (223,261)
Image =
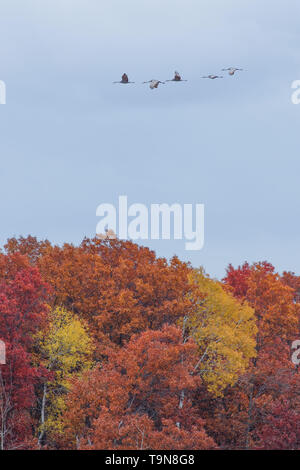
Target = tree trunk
(249,420)
(42,433)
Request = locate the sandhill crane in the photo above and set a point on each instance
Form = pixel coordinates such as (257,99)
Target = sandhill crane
(177,78)
(124,80)
(108,235)
(213,77)
(154,83)
(231,70)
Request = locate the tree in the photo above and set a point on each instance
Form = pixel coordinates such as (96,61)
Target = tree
(27,246)
(22,312)
(65,350)
(271,370)
(119,288)
(224,330)
(281,430)
(290,279)
(136,400)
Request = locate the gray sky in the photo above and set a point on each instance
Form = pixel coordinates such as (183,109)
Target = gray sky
(70,140)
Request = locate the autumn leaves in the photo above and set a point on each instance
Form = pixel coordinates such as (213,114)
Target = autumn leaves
(110,347)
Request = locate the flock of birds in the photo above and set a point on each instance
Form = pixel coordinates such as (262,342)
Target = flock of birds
(177,78)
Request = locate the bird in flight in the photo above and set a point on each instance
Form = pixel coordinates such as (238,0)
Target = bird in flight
(108,235)
(177,78)
(154,83)
(124,80)
(213,77)
(231,70)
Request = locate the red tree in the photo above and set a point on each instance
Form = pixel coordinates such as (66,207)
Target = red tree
(238,417)
(281,430)
(22,313)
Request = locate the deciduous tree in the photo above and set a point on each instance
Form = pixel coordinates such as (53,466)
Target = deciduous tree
(22,312)
(141,398)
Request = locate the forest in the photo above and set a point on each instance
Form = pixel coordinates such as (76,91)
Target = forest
(110,347)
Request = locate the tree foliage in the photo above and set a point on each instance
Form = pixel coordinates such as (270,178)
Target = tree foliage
(65,349)
(23,312)
(141,398)
(224,330)
(110,347)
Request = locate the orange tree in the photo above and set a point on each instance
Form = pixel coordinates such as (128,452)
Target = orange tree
(140,398)
(119,288)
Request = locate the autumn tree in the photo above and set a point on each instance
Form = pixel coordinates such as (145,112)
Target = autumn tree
(65,350)
(29,246)
(270,371)
(224,330)
(182,361)
(119,288)
(22,312)
(135,400)
(281,428)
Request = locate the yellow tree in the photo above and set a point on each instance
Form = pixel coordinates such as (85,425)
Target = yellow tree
(65,349)
(224,329)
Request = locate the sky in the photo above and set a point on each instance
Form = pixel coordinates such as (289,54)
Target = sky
(71,140)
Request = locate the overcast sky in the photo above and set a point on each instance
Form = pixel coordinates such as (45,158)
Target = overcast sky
(70,140)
